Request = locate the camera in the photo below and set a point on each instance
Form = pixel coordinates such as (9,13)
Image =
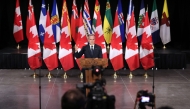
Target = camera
(145,99)
(97,98)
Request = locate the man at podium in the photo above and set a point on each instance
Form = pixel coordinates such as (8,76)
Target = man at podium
(91,50)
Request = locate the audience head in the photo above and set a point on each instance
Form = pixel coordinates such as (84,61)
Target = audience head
(73,99)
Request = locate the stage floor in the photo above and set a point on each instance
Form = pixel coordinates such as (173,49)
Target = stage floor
(20,91)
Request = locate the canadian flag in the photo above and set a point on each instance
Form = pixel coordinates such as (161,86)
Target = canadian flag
(116,52)
(146,48)
(131,51)
(74,21)
(65,48)
(98,30)
(17,30)
(49,49)
(34,52)
(81,37)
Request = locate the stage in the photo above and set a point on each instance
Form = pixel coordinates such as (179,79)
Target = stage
(12,58)
(20,91)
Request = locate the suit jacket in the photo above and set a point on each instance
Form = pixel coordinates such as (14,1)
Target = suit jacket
(97,52)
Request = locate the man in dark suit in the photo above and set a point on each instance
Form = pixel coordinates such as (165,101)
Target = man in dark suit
(91,50)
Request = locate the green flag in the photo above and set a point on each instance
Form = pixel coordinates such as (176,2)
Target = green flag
(108,23)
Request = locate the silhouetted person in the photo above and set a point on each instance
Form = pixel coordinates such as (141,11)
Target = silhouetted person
(73,99)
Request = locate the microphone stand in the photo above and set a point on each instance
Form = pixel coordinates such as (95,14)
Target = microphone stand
(40,59)
(155,58)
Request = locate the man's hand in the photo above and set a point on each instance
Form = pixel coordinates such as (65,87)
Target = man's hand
(76,48)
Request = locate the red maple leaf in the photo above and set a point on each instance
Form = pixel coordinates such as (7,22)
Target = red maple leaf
(33,41)
(17,20)
(81,40)
(49,41)
(64,42)
(131,42)
(146,42)
(115,41)
(99,39)
(33,46)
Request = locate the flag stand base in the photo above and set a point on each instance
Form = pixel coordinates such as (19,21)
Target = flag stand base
(34,75)
(64,75)
(115,75)
(49,75)
(18,47)
(130,75)
(146,75)
(164,47)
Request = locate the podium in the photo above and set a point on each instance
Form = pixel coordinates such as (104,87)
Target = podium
(87,63)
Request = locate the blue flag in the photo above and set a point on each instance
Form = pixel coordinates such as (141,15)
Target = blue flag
(87,19)
(141,21)
(42,21)
(154,24)
(121,21)
(55,22)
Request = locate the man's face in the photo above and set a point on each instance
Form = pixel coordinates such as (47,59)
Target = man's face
(91,40)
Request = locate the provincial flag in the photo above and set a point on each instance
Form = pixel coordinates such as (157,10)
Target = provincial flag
(108,23)
(165,25)
(141,21)
(154,24)
(42,22)
(74,21)
(55,22)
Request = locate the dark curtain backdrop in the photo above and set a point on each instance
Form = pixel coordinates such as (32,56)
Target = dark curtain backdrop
(178,12)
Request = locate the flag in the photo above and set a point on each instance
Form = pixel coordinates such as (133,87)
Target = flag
(165,25)
(17,29)
(55,22)
(121,21)
(34,51)
(128,18)
(81,38)
(116,52)
(96,9)
(87,19)
(146,48)
(131,52)
(140,21)
(98,30)
(49,49)
(65,48)
(154,24)
(74,21)
(108,23)
(42,21)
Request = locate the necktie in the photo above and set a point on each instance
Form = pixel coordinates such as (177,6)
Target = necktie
(91,49)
